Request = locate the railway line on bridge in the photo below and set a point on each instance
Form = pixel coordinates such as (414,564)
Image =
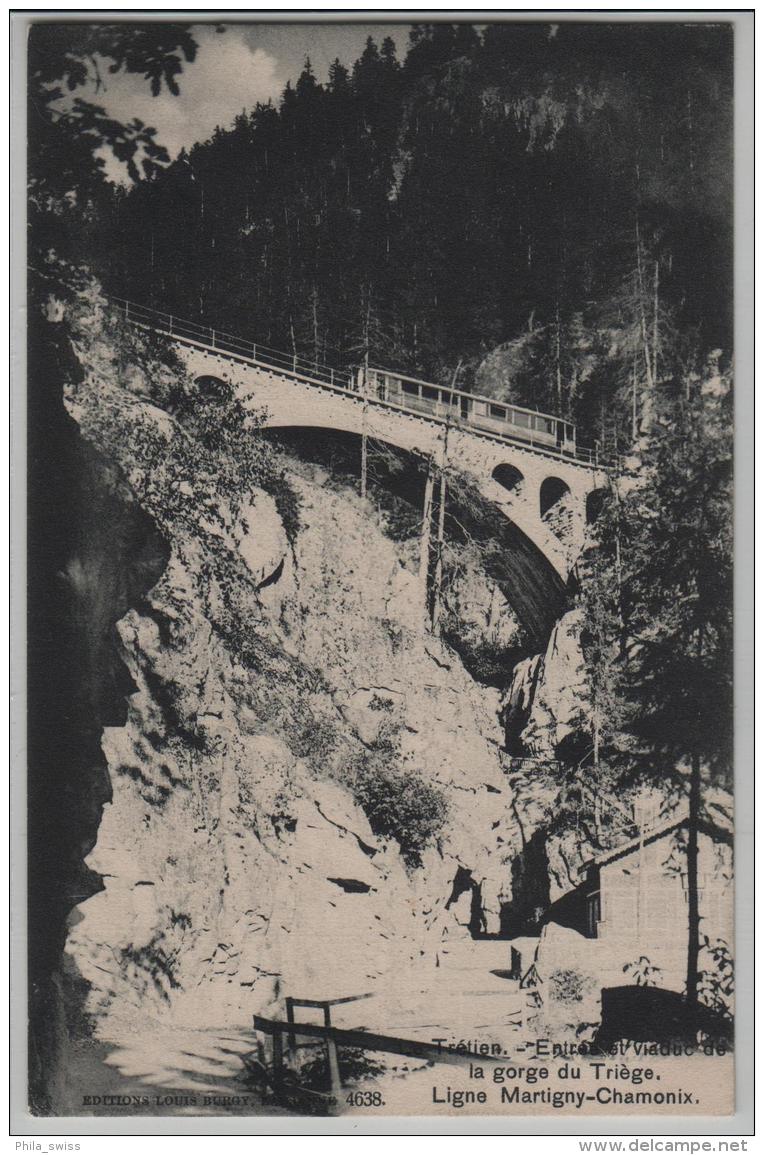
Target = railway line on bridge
(543,432)
(524,462)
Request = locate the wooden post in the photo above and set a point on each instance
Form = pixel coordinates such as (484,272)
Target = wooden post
(278,1058)
(364,457)
(436,599)
(291,1037)
(364,440)
(335,1083)
(364,416)
(424,541)
(438,577)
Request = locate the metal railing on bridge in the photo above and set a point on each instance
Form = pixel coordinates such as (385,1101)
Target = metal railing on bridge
(346,380)
(226,343)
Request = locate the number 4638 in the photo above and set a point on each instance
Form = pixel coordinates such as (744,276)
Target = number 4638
(365,1099)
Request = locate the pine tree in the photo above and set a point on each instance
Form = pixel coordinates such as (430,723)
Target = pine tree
(680,652)
(660,653)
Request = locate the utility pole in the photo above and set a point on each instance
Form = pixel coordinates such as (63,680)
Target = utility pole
(442,488)
(424,541)
(364,438)
(438,577)
(365,407)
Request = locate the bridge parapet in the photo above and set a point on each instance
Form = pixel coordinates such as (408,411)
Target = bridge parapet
(502,420)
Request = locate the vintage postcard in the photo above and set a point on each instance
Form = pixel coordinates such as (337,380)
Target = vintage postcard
(380,568)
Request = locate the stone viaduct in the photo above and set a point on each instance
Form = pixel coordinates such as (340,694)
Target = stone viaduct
(544,492)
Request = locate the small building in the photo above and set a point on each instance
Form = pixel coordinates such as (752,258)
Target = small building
(633,900)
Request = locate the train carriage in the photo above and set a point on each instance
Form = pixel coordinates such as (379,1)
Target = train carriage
(484,413)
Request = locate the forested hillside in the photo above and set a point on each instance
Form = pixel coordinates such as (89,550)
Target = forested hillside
(547,206)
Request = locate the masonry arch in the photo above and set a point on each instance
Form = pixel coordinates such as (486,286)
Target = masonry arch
(508,476)
(214,388)
(553,489)
(523,572)
(594,504)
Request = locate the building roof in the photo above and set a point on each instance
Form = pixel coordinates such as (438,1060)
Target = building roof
(662,830)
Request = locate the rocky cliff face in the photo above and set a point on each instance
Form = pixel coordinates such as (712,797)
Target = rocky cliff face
(306,774)
(545,702)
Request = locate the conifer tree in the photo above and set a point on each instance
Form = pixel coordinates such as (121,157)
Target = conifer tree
(660,652)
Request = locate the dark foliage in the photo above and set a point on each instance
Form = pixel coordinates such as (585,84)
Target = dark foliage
(657,592)
(400,804)
(560,196)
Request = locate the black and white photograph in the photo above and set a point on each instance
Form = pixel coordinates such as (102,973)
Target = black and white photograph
(379,636)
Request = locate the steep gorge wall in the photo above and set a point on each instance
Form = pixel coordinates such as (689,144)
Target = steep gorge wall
(92,552)
(304,771)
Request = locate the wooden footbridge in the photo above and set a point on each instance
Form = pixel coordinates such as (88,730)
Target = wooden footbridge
(279,1070)
(492,999)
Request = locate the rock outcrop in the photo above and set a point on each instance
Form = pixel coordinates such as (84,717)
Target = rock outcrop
(546,700)
(305,771)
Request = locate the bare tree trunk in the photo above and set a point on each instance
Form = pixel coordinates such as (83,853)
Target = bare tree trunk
(438,578)
(643,322)
(641,876)
(558,359)
(618,565)
(693,898)
(693,903)
(314,304)
(425,536)
(364,445)
(596,738)
(364,436)
(598,814)
(647,406)
(655,323)
(596,767)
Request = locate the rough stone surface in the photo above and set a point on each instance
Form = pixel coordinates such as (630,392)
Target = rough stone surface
(238,864)
(547,695)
